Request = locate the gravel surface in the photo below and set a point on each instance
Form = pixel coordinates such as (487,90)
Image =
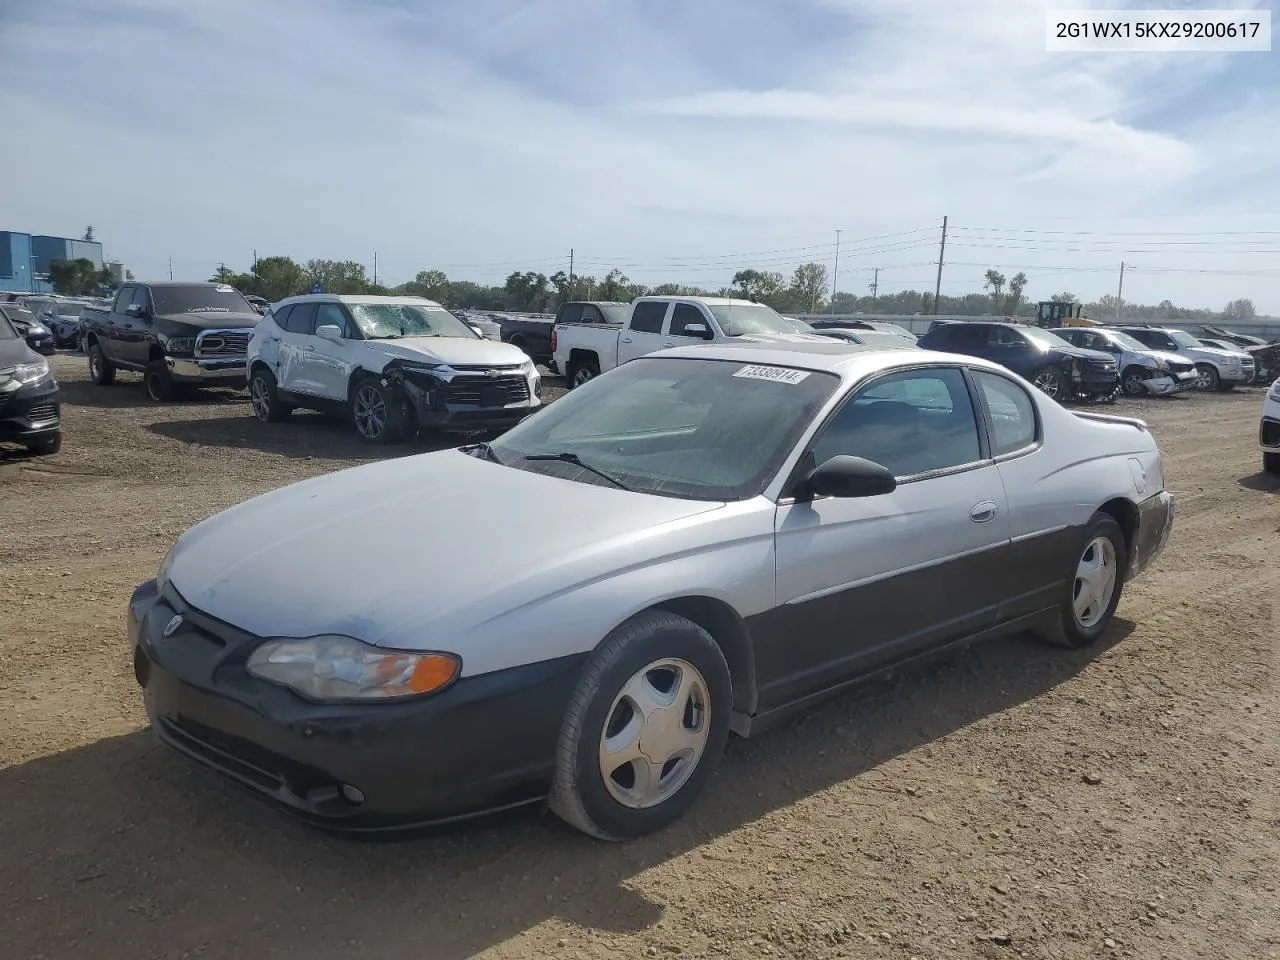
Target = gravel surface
(1014,801)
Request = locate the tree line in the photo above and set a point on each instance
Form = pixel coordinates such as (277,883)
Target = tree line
(807,290)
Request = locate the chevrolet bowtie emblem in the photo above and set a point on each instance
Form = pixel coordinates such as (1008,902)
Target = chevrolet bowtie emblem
(172,626)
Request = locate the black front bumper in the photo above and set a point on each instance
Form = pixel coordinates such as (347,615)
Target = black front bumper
(485,744)
(32,412)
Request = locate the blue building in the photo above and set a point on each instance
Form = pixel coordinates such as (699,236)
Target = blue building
(25,259)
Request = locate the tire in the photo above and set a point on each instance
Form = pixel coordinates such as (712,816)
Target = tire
(1075,627)
(265,399)
(1133,382)
(376,412)
(1271,462)
(1052,382)
(158,382)
(46,446)
(656,654)
(101,371)
(1208,377)
(580,371)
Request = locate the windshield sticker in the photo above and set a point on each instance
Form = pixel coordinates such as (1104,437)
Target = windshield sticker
(775,374)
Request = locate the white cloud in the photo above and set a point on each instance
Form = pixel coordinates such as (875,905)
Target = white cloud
(499,134)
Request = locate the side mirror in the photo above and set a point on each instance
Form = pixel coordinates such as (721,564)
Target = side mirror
(329,331)
(136,310)
(846,476)
(698,330)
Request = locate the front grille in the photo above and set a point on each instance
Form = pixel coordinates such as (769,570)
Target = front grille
(223,343)
(43,411)
(1105,366)
(488,392)
(1269,435)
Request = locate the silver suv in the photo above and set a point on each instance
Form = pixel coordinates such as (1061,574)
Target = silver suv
(1143,371)
(1215,369)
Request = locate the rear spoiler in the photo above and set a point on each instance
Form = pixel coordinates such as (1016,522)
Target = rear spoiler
(1112,418)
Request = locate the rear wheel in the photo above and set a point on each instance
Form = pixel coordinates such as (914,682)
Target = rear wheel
(1207,377)
(265,398)
(645,728)
(101,371)
(1093,585)
(1052,382)
(377,413)
(580,371)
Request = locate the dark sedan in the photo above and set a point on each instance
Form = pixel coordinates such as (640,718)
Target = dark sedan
(38,337)
(30,411)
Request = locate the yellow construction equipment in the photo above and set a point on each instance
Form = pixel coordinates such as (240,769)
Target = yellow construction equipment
(1055,313)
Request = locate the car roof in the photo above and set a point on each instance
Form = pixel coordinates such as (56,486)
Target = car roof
(845,359)
(710,301)
(352,299)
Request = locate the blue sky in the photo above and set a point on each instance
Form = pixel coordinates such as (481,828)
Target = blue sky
(677,140)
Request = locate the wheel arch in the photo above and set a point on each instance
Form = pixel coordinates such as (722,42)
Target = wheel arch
(731,635)
(1125,512)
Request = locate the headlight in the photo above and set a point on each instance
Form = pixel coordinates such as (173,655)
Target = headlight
(1275,391)
(182,344)
(1162,365)
(342,668)
(39,329)
(25,372)
(162,574)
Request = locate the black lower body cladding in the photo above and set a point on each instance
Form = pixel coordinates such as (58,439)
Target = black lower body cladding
(485,744)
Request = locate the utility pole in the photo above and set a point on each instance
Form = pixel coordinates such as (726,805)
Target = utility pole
(835,270)
(375,268)
(875,283)
(170,266)
(942,251)
(1120,292)
(571,271)
(255,266)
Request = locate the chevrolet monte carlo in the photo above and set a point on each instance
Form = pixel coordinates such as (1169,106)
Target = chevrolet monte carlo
(726,533)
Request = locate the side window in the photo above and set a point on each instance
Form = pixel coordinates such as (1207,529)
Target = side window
(141,298)
(124,297)
(331,313)
(911,422)
(647,317)
(301,317)
(1005,337)
(575,313)
(281,316)
(1013,414)
(683,315)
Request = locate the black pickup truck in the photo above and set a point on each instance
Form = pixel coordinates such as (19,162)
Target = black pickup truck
(178,335)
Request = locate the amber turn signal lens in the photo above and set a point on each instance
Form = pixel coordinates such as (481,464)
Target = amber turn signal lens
(432,672)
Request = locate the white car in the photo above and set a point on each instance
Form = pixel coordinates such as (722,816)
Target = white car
(394,365)
(705,539)
(1269,430)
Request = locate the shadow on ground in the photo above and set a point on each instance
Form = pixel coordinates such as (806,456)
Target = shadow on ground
(123,848)
(127,391)
(1263,481)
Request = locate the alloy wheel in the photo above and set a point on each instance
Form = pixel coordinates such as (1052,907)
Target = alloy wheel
(1047,384)
(1134,385)
(260,397)
(655,733)
(369,411)
(1095,584)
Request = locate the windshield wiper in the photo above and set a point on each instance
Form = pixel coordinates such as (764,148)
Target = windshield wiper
(577,461)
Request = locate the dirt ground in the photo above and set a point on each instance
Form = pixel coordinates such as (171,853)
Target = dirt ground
(1013,801)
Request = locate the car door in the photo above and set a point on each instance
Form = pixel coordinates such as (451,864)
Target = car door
(137,325)
(111,338)
(1041,502)
(644,334)
(863,582)
(1009,348)
(325,364)
(683,317)
(296,341)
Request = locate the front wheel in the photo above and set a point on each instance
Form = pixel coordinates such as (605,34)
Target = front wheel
(377,413)
(1207,377)
(1134,381)
(265,398)
(1093,585)
(1271,462)
(1052,382)
(159,382)
(644,730)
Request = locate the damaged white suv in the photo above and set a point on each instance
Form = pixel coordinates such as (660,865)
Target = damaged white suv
(393,365)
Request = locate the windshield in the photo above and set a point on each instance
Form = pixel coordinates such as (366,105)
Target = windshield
(1043,338)
(390,321)
(1126,342)
(895,329)
(743,319)
(69,310)
(217,298)
(21,315)
(883,338)
(7,332)
(800,326)
(675,427)
(1184,339)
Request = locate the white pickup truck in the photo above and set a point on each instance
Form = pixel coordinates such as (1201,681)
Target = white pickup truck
(583,351)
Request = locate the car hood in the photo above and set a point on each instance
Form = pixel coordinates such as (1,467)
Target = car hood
(214,319)
(1217,352)
(1082,353)
(1165,356)
(461,351)
(14,352)
(779,338)
(373,551)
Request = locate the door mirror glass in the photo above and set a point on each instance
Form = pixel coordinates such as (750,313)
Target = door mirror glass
(329,331)
(846,476)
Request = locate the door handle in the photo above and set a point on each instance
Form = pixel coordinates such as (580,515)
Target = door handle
(625,340)
(984,512)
